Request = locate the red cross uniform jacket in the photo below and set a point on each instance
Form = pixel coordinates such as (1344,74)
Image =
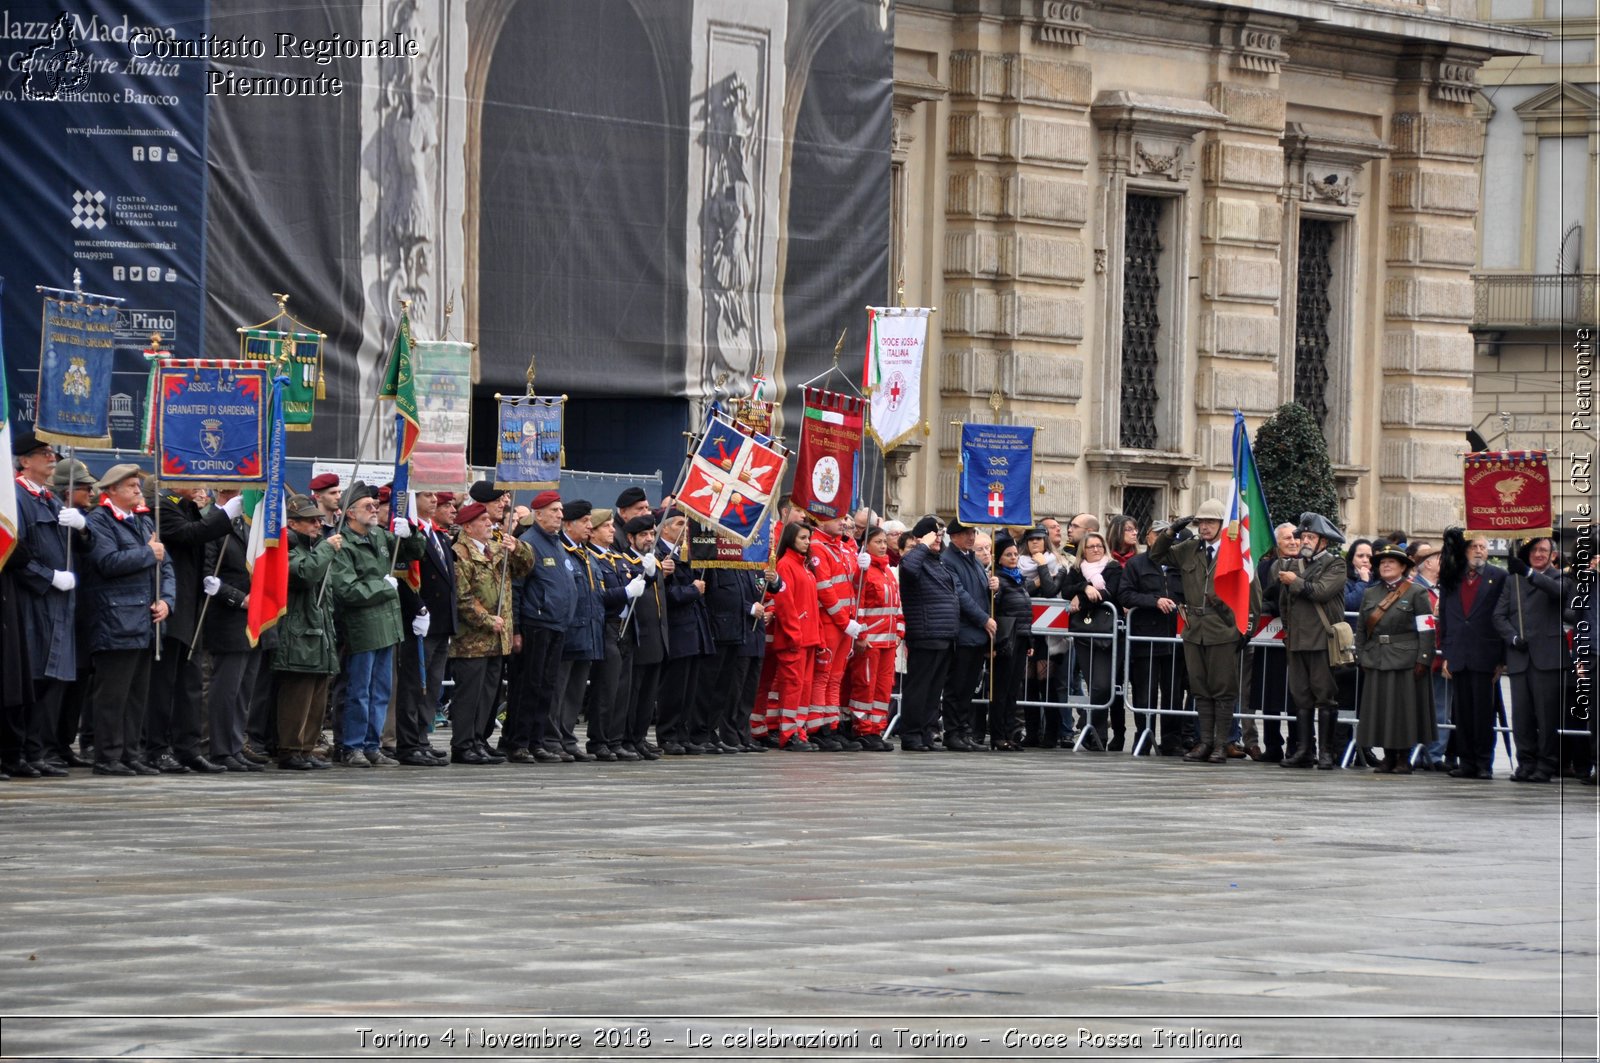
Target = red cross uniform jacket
(879,613)
(836,593)
(796,619)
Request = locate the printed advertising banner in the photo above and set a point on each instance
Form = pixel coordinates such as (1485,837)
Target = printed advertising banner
(211,423)
(104,155)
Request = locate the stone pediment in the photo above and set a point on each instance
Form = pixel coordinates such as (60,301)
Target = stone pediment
(1563,109)
(1147,135)
(1322,161)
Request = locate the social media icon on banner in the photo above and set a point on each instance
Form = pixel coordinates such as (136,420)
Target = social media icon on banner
(138,153)
(172,154)
(118,273)
(155,155)
(136,273)
(152,274)
(171,275)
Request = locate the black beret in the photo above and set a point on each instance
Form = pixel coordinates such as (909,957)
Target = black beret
(631,496)
(355,493)
(577,509)
(927,524)
(485,491)
(643,523)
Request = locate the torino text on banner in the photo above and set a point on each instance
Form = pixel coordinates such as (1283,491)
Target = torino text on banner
(212,421)
(996,469)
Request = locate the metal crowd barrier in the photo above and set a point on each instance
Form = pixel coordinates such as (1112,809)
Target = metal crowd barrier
(1083,656)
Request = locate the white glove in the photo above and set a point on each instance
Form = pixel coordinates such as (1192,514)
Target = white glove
(391,581)
(864,559)
(419,625)
(635,587)
(402,529)
(233,507)
(649,563)
(71,519)
(212,585)
(62,580)
(853,629)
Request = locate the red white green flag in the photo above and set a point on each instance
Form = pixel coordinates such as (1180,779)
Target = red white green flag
(1248,534)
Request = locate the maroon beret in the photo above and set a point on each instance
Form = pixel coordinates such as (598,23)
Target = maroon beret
(325,481)
(445,498)
(471,512)
(545,498)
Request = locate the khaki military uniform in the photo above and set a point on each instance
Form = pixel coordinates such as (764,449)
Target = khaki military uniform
(1312,689)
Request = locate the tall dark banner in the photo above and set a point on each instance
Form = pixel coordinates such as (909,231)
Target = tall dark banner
(103,150)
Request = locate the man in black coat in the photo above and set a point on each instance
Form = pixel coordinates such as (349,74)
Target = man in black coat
(1152,594)
(644,623)
(1469,590)
(689,641)
(734,605)
(235,663)
(46,535)
(428,619)
(172,731)
(974,585)
(1529,619)
(931,604)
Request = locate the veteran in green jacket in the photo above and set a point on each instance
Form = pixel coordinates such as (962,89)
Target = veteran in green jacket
(1394,646)
(1310,589)
(485,624)
(307,656)
(366,594)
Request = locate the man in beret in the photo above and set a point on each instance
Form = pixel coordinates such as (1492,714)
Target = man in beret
(73,484)
(495,500)
(545,607)
(366,592)
(689,639)
(325,492)
(486,618)
(584,643)
(1309,587)
(630,503)
(131,594)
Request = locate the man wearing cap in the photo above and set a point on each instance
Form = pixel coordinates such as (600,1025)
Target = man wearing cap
(307,656)
(444,514)
(47,536)
(605,704)
(131,593)
(428,616)
(1310,592)
(973,587)
(485,618)
(325,492)
(688,640)
(644,634)
(494,499)
(367,596)
(1211,635)
(173,730)
(73,484)
(545,607)
(931,604)
(1529,619)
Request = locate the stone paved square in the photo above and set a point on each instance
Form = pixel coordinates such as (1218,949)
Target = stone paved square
(1338,912)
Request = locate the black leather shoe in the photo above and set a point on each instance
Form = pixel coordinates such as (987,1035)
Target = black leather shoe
(470,755)
(914,747)
(19,769)
(168,764)
(752,747)
(674,749)
(800,745)
(113,768)
(318,763)
(522,756)
(544,756)
(141,768)
(625,754)
(416,758)
(604,754)
(1461,771)
(491,756)
(572,756)
(958,744)
(253,756)
(565,757)
(1199,754)
(50,771)
(647,753)
(202,765)
(295,762)
(231,764)
(72,760)
(693,749)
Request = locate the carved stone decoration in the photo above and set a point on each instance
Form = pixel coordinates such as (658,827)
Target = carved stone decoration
(895,463)
(1260,51)
(1456,82)
(1169,165)
(1321,164)
(1061,23)
(1099,261)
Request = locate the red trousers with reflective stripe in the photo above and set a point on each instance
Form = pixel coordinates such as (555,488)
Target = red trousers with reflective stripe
(871,687)
(832,663)
(764,713)
(792,681)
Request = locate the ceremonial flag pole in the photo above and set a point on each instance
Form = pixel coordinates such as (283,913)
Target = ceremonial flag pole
(268,551)
(400,387)
(1248,532)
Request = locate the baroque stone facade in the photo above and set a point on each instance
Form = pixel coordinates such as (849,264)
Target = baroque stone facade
(1107,199)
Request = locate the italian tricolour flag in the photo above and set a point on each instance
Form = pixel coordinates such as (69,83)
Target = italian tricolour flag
(1248,535)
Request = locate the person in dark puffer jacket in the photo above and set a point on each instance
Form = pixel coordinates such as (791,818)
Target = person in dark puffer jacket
(932,610)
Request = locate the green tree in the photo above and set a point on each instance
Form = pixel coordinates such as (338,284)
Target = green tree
(1292,457)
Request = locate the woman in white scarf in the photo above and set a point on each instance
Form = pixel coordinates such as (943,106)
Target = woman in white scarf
(1092,586)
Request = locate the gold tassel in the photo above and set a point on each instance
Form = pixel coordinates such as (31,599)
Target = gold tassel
(322,383)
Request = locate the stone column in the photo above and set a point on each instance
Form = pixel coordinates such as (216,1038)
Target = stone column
(1428,295)
(1015,254)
